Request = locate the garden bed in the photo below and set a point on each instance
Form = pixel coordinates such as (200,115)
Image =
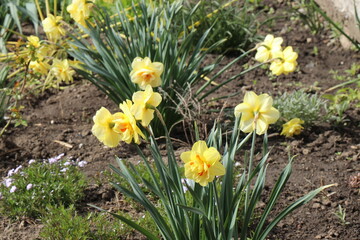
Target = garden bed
(61,121)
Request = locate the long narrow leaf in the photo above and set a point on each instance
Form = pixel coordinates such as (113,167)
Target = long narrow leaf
(305,199)
(131,223)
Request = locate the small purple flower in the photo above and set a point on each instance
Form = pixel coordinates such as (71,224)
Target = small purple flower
(31,161)
(82,163)
(8,182)
(11,172)
(55,159)
(13,189)
(64,170)
(29,186)
(67,163)
(52,160)
(17,169)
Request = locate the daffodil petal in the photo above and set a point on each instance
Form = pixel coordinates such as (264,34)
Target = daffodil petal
(199,147)
(271,116)
(211,155)
(265,102)
(218,169)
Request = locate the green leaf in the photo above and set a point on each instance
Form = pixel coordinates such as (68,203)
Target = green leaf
(132,224)
(305,199)
(14,14)
(31,11)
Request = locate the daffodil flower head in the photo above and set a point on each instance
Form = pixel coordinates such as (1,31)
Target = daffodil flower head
(45,51)
(80,10)
(256,113)
(62,70)
(125,124)
(52,27)
(33,42)
(144,101)
(41,67)
(285,61)
(267,47)
(144,72)
(292,127)
(103,128)
(202,164)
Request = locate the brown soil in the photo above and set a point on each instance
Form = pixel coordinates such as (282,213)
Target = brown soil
(326,153)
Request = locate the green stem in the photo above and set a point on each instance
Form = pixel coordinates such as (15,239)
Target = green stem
(39,10)
(251,159)
(342,84)
(55,7)
(219,212)
(5,127)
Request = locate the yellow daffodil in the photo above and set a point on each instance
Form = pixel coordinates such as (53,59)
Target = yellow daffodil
(285,62)
(45,51)
(33,41)
(256,112)
(103,128)
(144,72)
(62,70)
(80,10)
(52,27)
(144,101)
(202,164)
(125,124)
(39,67)
(267,47)
(292,127)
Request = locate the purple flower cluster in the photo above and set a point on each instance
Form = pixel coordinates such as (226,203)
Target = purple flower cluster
(55,159)
(8,181)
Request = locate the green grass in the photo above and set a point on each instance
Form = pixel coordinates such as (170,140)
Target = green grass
(66,223)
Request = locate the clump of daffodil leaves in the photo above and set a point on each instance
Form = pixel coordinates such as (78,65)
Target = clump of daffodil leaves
(208,176)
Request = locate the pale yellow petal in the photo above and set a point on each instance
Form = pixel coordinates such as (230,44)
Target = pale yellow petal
(247,125)
(102,116)
(271,116)
(277,53)
(268,40)
(289,67)
(106,135)
(137,110)
(277,42)
(261,125)
(155,99)
(211,155)
(290,55)
(186,156)
(203,182)
(217,169)
(138,97)
(147,116)
(252,99)
(262,54)
(159,67)
(199,147)
(265,102)
(277,68)
(242,108)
